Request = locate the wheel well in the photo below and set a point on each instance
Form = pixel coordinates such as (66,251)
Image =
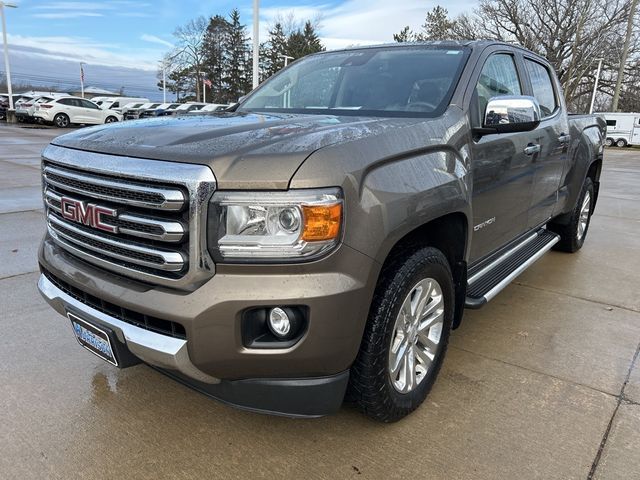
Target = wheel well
(594,170)
(449,235)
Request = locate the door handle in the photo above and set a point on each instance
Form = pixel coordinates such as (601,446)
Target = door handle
(531,149)
(564,138)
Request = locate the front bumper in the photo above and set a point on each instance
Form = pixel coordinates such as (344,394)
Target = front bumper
(306,379)
(153,348)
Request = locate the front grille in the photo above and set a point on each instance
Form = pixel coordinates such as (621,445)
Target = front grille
(129,216)
(114,189)
(126,315)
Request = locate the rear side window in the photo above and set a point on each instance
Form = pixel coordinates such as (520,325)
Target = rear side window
(542,86)
(499,77)
(66,101)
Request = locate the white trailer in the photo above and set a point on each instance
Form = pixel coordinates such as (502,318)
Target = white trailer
(622,129)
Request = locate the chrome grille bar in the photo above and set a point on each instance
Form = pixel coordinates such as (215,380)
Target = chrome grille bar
(159,208)
(131,224)
(128,252)
(125,192)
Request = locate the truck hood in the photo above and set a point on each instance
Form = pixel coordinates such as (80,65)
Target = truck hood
(244,150)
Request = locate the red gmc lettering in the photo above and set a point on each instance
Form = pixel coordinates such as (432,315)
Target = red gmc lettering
(87,214)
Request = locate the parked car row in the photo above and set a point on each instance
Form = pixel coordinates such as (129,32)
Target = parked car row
(135,111)
(62,109)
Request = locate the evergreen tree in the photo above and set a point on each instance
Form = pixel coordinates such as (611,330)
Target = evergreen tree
(273,50)
(303,42)
(215,56)
(238,74)
(405,35)
(311,38)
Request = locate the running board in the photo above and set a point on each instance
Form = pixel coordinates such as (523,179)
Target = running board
(486,282)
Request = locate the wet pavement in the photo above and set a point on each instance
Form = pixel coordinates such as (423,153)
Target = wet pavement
(541,383)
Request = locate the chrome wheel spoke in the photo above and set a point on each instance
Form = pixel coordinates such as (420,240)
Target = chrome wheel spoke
(416,335)
(424,357)
(583,219)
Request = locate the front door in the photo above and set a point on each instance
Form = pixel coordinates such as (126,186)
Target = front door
(502,171)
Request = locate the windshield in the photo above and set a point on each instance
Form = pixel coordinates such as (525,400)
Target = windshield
(398,81)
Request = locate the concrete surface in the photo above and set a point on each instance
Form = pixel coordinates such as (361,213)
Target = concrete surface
(538,384)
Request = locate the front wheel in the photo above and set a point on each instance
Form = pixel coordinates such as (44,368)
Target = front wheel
(111,119)
(61,120)
(608,142)
(406,336)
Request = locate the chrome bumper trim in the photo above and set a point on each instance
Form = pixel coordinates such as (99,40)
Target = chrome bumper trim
(153,348)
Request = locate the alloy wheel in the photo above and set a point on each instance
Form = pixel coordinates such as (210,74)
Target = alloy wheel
(583,221)
(416,336)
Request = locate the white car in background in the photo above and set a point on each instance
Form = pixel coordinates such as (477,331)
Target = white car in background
(214,107)
(65,111)
(25,110)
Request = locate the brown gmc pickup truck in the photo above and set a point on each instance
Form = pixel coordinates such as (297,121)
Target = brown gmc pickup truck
(323,237)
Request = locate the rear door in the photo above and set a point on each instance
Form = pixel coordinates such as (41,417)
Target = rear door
(69,106)
(502,171)
(552,139)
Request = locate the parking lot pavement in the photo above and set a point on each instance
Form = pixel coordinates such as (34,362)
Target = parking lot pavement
(541,383)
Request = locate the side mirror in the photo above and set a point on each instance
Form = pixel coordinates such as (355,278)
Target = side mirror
(511,114)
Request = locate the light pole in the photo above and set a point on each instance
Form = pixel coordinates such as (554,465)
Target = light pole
(6,52)
(595,85)
(286,59)
(82,78)
(256,42)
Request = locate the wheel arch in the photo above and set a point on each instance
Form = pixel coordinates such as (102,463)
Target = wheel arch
(448,233)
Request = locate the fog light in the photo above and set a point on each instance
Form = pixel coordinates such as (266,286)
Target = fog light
(279,322)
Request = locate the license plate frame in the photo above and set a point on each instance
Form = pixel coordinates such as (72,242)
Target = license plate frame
(93,338)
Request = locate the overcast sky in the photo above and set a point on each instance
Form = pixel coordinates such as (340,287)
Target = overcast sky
(122,40)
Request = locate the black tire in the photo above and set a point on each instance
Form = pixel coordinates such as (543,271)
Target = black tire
(570,240)
(621,143)
(61,120)
(370,385)
(111,119)
(608,142)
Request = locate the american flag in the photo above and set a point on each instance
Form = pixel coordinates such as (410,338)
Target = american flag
(207,82)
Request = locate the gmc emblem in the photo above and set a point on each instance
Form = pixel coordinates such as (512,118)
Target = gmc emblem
(88,214)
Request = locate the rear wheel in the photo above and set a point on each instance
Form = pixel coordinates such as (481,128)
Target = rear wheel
(621,143)
(406,336)
(573,234)
(61,120)
(608,142)
(111,119)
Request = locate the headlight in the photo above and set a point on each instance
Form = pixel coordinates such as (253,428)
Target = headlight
(298,224)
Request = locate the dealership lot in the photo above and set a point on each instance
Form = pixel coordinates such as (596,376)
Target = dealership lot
(544,382)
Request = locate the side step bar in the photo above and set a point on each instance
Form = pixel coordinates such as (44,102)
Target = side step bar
(486,282)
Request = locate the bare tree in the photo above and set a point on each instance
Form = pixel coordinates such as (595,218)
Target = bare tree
(189,51)
(571,34)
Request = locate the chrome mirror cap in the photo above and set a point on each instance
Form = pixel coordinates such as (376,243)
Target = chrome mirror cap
(512,114)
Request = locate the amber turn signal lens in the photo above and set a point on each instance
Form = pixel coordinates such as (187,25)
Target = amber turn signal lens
(321,222)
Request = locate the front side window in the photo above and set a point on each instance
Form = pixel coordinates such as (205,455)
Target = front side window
(542,86)
(404,81)
(88,104)
(499,77)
